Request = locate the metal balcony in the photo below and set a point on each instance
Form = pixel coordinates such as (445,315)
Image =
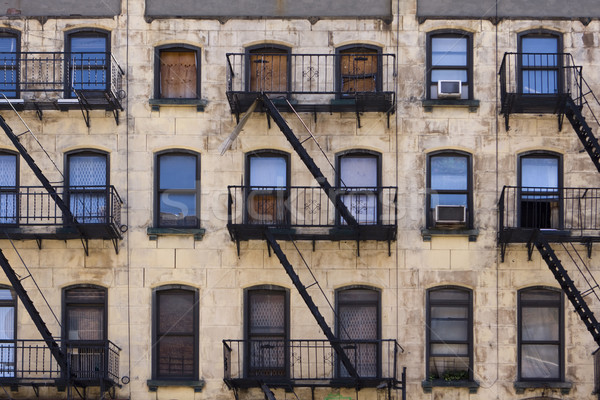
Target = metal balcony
(313,82)
(307,213)
(30,212)
(30,363)
(564,214)
(311,363)
(61,81)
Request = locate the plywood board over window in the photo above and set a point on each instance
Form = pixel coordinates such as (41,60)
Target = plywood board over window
(268,71)
(178,74)
(358,70)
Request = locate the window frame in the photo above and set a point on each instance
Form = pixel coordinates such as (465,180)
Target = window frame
(13,33)
(86,32)
(377,190)
(469,191)
(14,190)
(276,49)
(4,342)
(66,303)
(280,290)
(540,33)
(561,327)
(339,303)
(156,292)
(158,191)
(559,189)
(176,47)
(340,51)
(470,336)
(449,33)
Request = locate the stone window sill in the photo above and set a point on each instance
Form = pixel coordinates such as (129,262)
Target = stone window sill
(428,385)
(154,384)
(154,233)
(520,386)
(428,105)
(428,233)
(200,104)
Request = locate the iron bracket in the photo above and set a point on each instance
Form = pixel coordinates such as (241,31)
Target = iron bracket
(115,243)
(506,120)
(389,248)
(502,251)
(269,249)
(39,243)
(589,246)
(268,121)
(314,245)
(85,244)
(237,245)
(38,111)
(358,118)
(561,118)
(357,248)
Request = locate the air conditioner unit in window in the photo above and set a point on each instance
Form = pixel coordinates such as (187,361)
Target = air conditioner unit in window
(449,89)
(450,214)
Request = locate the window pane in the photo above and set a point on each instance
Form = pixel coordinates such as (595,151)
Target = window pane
(449,75)
(458,367)
(8,45)
(5,294)
(267,313)
(358,171)
(89,45)
(449,312)
(8,169)
(539,172)
(534,44)
(177,171)
(449,294)
(448,349)
(7,323)
(449,329)
(540,295)
(176,312)
(540,323)
(448,200)
(87,170)
(540,362)
(176,207)
(268,171)
(176,356)
(449,51)
(449,173)
(85,323)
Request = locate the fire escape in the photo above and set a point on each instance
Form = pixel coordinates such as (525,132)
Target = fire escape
(547,217)
(307,213)
(50,212)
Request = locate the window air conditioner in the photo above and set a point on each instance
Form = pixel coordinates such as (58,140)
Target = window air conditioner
(450,214)
(449,89)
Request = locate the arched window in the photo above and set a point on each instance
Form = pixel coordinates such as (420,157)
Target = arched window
(175,332)
(85,313)
(540,185)
(177,200)
(449,190)
(449,65)
(87,59)
(177,72)
(9,187)
(540,62)
(358,325)
(267,179)
(87,180)
(449,333)
(268,68)
(359,69)
(540,334)
(10,49)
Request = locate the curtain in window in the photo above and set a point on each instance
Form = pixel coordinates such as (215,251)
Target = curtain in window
(8,189)
(267,333)
(87,188)
(7,334)
(358,178)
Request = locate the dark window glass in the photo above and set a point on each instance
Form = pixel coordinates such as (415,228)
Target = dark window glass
(268,181)
(540,181)
(359,325)
(8,189)
(178,190)
(449,326)
(540,64)
(9,74)
(449,59)
(175,343)
(359,182)
(540,334)
(8,308)
(449,190)
(88,187)
(85,314)
(178,73)
(267,331)
(88,61)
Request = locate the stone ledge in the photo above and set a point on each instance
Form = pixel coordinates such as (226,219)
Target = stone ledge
(520,386)
(428,105)
(154,384)
(428,233)
(428,385)
(157,103)
(154,233)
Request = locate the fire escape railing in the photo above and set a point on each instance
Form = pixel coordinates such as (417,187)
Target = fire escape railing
(312,362)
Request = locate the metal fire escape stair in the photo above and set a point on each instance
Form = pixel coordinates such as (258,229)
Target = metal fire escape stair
(583,130)
(15,282)
(67,215)
(568,286)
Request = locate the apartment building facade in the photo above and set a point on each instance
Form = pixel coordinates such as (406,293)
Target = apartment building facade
(383,199)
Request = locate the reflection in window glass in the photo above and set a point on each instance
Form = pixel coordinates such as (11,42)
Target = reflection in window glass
(9,74)
(359,173)
(178,190)
(449,180)
(88,187)
(449,61)
(539,172)
(268,171)
(88,61)
(8,183)
(539,72)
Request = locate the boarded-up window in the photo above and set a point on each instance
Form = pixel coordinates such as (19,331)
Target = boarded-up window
(268,70)
(358,70)
(178,74)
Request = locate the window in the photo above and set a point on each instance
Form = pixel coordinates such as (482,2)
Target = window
(449,190)
(268,69)
(359,323)
(177,72)
(9,63)
(449,58)
(540,183)
(449,333)
(8,337)
(87,180)
(540,62)
(9,188)
(267,177)
(540,336)
(267,330)
(359,69)
(175,336)
(178,189)
(359,182)
(87,60)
